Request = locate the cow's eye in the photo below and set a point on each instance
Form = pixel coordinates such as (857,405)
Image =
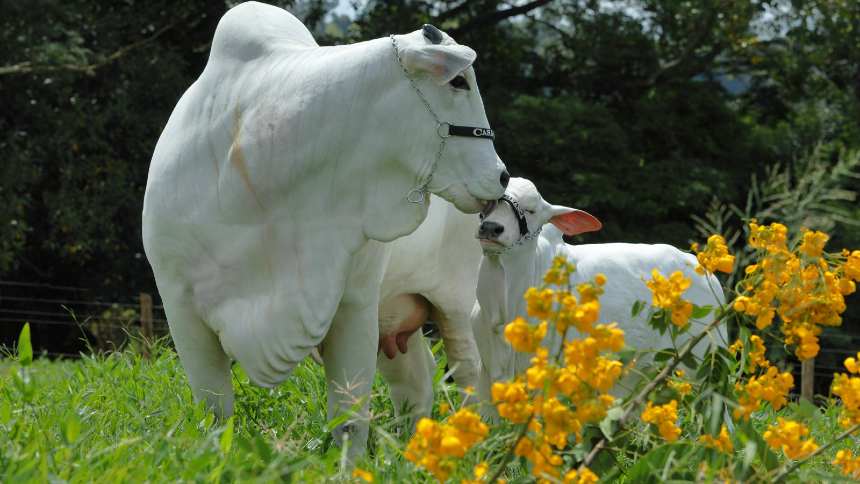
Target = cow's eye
(530,211)
(460,82)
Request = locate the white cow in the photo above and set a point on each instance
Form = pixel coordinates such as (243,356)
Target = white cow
(517,253)
(280,172)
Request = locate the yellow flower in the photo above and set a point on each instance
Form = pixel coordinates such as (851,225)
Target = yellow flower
(771,386)
(722,442)
(847,388)
(560,271)
(667,295)
(851,268)
(771,238)
(581,476)
(715,257)
(538,452)
(788,436)
(736,347)
(362,474)
(800,287)
(600,279)
(756,354)
(850,465)
(558,421)
(665,418)
(813,243)
(524,337)
(853,364)
(539,302)
(436,446)
(608,337)
(512,401)
(682,387)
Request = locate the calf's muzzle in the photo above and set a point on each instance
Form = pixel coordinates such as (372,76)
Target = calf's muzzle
(490,230)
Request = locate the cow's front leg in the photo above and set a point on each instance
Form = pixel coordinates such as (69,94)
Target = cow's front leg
(349,356)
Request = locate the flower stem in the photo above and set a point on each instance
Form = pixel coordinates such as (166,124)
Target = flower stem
(657,381)
(793,467)
(510,454)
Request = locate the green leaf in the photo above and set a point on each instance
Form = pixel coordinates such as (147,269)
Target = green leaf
(607,424)
(227,437)
(659,320)
(664,355)
(805,411)
(764,455)
(626,355)
(637,308)
(71,428)
(689,360)
(700,312)
(343,417)
(649,467)
(5,411)
(25,349)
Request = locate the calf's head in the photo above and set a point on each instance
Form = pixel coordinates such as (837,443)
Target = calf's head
(518,216)
(461,164)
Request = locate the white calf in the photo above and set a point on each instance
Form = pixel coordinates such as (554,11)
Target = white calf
(517,253)
(429,274)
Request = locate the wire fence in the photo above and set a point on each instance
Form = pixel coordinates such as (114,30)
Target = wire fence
(66,321)
(69,321)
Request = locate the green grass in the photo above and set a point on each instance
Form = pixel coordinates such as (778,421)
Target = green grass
(120,417)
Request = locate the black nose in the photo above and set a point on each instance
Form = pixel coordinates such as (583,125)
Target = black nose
(490,229)
(505,178)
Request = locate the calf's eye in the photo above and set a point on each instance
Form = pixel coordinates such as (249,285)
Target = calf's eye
(460,82)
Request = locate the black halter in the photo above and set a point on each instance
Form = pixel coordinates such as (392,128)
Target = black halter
(518,213)
(468,131)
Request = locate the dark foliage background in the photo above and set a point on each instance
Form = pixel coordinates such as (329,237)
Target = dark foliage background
(640,111)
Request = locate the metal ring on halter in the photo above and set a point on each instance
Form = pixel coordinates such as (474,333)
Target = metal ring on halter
(417,195)
(447,132)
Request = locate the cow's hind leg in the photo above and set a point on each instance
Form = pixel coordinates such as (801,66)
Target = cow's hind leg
(201,354)
(410,377)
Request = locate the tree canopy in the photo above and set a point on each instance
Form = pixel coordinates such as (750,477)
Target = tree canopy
(639,111)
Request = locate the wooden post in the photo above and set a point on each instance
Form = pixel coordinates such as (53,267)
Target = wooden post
(807,379)
(146,321)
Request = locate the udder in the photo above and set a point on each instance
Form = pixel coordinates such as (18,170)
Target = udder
(399,317)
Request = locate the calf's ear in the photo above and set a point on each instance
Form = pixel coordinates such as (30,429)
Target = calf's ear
(441,62)
(572,221)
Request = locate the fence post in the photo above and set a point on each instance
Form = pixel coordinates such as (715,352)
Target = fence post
(146,321)
(807,378)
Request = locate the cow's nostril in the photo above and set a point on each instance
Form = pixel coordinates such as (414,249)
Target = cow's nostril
(505,178)
(498,229)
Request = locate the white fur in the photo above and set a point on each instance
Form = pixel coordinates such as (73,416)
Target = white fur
(280,172)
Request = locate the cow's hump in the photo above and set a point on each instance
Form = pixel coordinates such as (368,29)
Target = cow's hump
(252,29)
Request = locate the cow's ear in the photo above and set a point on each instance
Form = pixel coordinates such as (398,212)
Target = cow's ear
(572,221)
(441,62)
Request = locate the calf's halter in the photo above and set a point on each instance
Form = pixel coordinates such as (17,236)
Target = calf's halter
(444,129)
(520,215)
